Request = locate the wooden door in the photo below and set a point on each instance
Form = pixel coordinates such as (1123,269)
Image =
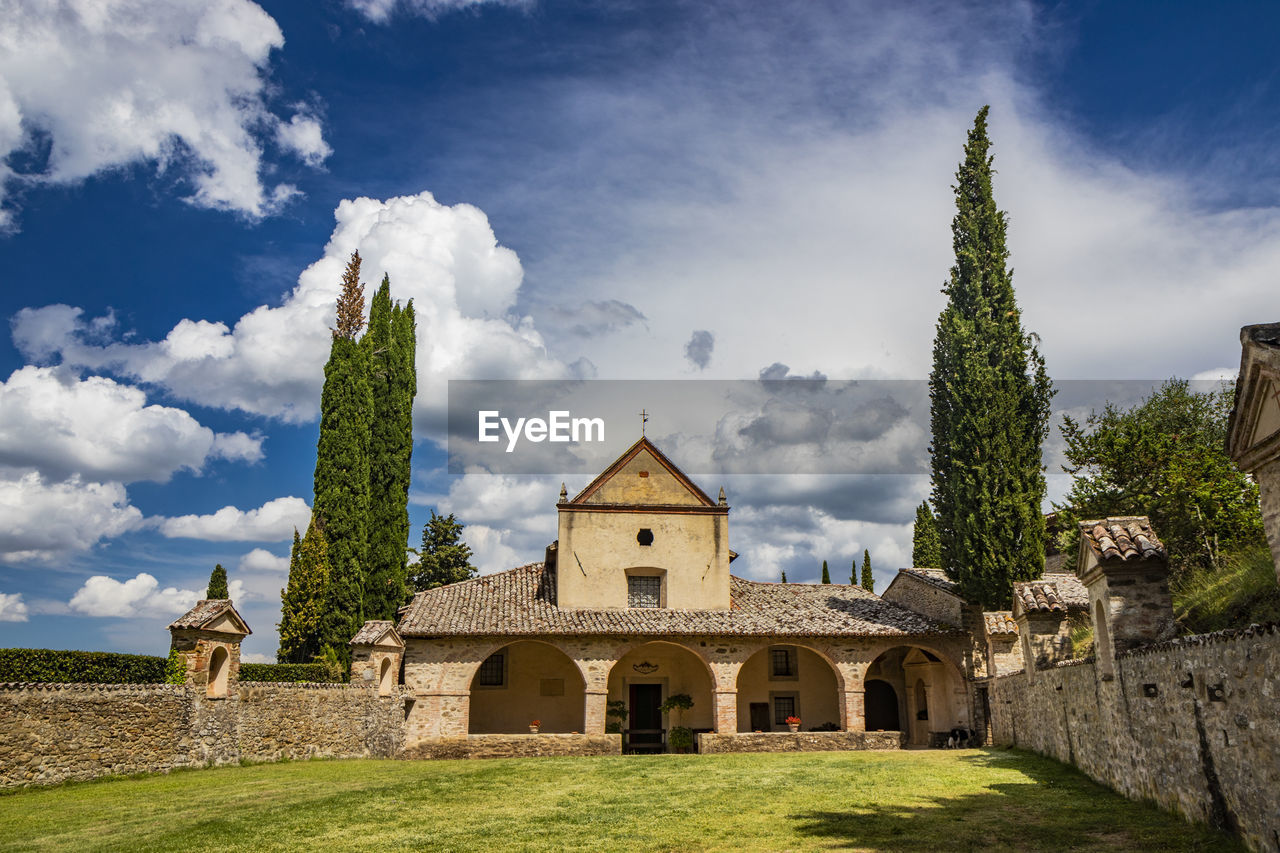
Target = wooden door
(760,721)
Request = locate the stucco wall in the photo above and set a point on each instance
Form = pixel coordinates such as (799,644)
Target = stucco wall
(513,707)
(1192,724)
(818,697)
(56,732)
(678,671)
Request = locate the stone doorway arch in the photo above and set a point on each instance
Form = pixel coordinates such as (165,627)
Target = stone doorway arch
(931,693)
(784,680)
(881,706)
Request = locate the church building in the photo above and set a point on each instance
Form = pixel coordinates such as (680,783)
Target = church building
(635,602)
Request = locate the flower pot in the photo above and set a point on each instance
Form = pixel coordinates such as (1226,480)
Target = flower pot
(533,730)
(795,727)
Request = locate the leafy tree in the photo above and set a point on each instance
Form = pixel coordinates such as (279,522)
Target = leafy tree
(868,579)
(826,575)
(444,557)
(217,583)
(989,402)
(342,465)
(1165,457)
(926,550)
(388,348)
(303,601)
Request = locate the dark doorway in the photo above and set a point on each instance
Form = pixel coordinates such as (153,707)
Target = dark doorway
(882,706)
(646,733)
(760,717)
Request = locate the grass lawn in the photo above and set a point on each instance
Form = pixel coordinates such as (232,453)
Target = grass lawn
(944,800)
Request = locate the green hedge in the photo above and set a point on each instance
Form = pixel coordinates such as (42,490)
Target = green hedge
(288,672)
(65,667)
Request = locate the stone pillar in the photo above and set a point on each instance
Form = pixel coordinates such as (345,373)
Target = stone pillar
(855,711)
(455,714)
(594,718)
(1268,477)
(726,709)
(1126,570)
(207,639)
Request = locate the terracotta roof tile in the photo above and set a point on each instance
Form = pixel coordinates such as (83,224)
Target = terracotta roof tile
(370,632)
(1000,622)
(522,602)
(1123,538)
(1072,593)
(1038,597)
(205,611)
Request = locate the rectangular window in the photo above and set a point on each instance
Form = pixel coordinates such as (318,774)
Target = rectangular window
(782,663)
(644,591)
(783,707)
(493,672)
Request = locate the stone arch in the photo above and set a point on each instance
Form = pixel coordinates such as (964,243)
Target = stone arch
(931,690)
(219,672)
(782,679)
(539,681)
(646,673)
(881,706)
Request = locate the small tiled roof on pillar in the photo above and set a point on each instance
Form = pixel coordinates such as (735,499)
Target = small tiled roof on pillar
(999,622)
(212,614)
(1037,597)
(377,631)
(1128,538)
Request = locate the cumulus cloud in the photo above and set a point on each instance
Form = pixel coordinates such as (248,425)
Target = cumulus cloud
(699,348)
(42,520)
(379,11)
(138,596)
(445,258)
(262,560)
(273,521)
(181,84)
(60,424)
(12,608)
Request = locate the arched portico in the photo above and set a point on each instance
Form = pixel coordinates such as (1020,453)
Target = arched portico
(524,681)
(929,691)
(783,680)
(644,677)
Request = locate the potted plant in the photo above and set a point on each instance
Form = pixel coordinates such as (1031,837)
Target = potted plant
(533,727)
(615,714)
(681,738)
(793,723)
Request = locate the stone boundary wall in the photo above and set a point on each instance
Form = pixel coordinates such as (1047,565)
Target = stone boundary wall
(1191,724)
(517,746)
(53,733)
(710,743)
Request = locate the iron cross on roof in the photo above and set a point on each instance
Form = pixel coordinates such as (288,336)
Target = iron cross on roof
(644,419)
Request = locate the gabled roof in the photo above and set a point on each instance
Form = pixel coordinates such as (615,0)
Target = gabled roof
(521,602)
(375,631)
(1128,538)
(999,622)
(697,496)
(212,614)
(934,577)
(1037,597)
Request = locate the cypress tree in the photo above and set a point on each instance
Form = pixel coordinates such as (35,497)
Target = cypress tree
(341,505)
(868,579)
(989,403)
(217,583)
(388,349)
(303,601)
(853,573)
(784,577)
(926,551)
(826,575)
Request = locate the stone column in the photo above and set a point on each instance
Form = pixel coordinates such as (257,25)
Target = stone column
(593,720)
(855,711)
(726,708)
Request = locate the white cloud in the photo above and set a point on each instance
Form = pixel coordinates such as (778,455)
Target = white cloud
(379,11)
(256,657)
(40,520)
(262,560)
(272,522)
(12,608)
(447,259)
(138,596)
(60,424)
(180,84)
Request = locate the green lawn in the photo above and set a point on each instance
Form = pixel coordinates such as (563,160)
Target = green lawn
(945,800)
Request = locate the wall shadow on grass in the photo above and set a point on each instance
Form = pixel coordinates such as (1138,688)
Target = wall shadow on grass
(1052,807)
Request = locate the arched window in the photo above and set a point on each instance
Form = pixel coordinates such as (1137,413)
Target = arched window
(385,681)
(219,663)
(1102,641)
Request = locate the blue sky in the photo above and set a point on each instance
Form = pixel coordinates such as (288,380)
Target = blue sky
(566,190)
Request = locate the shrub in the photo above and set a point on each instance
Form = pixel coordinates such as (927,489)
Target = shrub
(294,672)
(680,738)
(58,666)
(175,669)
(1242,591)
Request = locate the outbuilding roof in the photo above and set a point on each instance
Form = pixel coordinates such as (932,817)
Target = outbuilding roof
(373,631)
(999,622)
(521,602)
(1038,597)
(1128,538)
(208,611)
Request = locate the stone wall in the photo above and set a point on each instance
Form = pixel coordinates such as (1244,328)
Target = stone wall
(57,732)
(518,746)
(798,741)
(1268,477)
(1192,724)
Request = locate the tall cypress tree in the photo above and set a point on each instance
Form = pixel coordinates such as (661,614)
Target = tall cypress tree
(826,575)
(341,503)
(868,578)
(926,551)
(389,347)
(217,583)
(989,402)
(303,601)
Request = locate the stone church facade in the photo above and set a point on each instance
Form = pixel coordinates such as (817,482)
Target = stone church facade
(635,602)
